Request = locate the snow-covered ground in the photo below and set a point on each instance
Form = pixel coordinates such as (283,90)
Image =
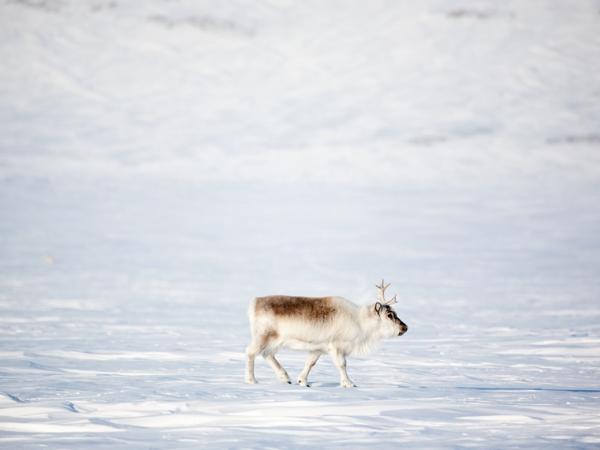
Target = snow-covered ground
(163,162)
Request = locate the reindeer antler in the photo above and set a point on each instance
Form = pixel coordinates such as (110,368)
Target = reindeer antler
(382,289)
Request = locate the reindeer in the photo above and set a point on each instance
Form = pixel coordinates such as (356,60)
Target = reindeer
(318,325)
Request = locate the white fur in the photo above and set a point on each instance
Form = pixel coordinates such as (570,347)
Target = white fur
(352,330)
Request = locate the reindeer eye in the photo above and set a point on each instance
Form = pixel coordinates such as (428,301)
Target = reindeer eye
(390,316)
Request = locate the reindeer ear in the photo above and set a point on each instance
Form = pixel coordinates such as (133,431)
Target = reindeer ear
(378,307)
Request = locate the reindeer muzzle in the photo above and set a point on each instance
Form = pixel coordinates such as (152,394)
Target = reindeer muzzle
(403,329)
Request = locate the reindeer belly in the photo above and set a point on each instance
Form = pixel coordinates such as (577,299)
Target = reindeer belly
(304,345)
(312,339)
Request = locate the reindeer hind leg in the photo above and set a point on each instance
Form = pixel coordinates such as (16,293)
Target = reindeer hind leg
(262,343)
(278,368)
(270,338)
(256,347)
(312,359)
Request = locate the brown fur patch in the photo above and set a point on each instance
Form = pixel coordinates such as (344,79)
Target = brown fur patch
(310,308)
(270,334)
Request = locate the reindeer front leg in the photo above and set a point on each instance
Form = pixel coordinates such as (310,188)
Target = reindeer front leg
(339,359)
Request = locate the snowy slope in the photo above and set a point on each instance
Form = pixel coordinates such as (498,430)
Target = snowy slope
(163,162)
(293,90)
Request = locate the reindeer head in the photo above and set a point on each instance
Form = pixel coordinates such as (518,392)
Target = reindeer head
(390,323)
